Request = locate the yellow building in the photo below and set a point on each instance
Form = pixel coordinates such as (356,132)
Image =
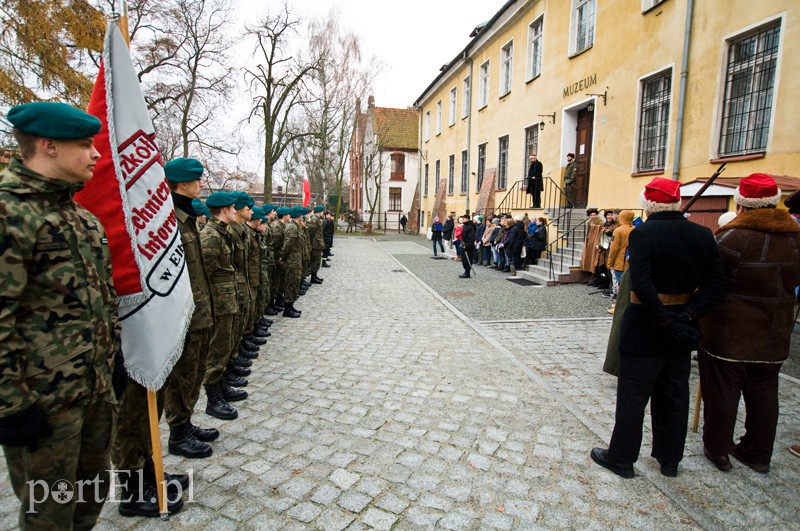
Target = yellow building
(634,88)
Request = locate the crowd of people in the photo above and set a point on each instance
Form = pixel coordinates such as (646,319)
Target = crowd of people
(68,409)
(504,243)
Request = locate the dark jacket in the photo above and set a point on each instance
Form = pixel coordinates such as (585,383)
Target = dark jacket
(436,231)
(480,230)
(328,229)
(538,240)
(516,237)
(447,232)
(670,255)
(534,176)
(760,252)
(468,234)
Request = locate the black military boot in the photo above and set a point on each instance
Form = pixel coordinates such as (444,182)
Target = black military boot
(238,371)
(204,434)
(279,303)
(173,480)
(248,345)
(239,361)
(217,406)
(289,311)
(271,309)
(256,340)
(315,279)
(232,395)
(247,354)
(233,380)
(264,322)
(140,497)
(305,284)
(325,263)
(258,332)
(302,292)
(182,442)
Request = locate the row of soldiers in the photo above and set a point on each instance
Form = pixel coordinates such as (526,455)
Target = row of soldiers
(67,407)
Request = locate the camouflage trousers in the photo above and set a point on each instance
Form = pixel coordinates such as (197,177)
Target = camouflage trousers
(242,321)
(76,452)
(316,260)
(278,281)
(294,275)
(131,445)
(263,298)
(253,315)
(183,387)
(221,347)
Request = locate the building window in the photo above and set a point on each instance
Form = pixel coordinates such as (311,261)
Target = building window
(506,68)
(531,146)
(483,94)
(481,165)
(426,127)
(535,48)
(395,199)
(464,174)
(749,88)
(398,168)
(654,122)
(453,100)
(437,173)
(583,24)
(439,117)
(451,170)
(466,94)
(502,163)
(426,180)
(650,4)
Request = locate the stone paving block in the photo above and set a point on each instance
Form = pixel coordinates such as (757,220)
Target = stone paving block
(305,512)
(344,479)
(456,520)
(371,486)
(378,519)
(391,503)
(354,501)
(480,462)
(422,517)
(297,487)
(333,519)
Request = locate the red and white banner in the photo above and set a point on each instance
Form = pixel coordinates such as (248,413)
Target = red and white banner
(130,196)
(306,192)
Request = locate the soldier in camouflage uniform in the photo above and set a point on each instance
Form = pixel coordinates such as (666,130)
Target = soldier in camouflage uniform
(292,261)
(258,329)
(217,244)
(267,308)
(317,243)
(184,177)
(58,322)
(279,278)
(304,284)
(247,349)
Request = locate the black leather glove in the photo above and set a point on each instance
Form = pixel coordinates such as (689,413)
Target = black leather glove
(119,378)
(24,428)
(679,330)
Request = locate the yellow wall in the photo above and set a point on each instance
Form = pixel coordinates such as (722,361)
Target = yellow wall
(628,46)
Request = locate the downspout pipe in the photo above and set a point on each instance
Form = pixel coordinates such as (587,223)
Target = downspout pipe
(687,39)
(468,59)
(419,169)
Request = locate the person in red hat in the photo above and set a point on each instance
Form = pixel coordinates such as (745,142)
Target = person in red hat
(676,276)
(746,335)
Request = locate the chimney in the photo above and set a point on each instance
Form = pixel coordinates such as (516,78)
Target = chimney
(371,101)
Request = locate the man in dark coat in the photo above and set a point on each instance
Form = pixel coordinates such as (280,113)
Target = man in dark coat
(447,231)
(535,184)
(468,243)
(676,276)
(746,336)
(328,229)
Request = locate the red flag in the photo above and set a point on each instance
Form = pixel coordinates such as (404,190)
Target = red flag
(306,192)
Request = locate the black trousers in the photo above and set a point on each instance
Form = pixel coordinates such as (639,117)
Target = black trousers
(663,379)
(723,382)
(471,253)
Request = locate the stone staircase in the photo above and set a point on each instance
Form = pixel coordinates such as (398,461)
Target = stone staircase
(565,257)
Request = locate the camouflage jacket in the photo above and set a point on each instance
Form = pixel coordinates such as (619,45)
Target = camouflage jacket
(215,240)
(58,310)
(306,243)
(292,251)
(198,276)
(278,233)
(267,247)
(240,248)
(253,242)
(314,225)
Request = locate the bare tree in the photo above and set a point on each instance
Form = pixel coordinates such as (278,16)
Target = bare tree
(375,161)
(277,84)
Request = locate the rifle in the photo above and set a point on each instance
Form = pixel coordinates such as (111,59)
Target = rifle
(702,189)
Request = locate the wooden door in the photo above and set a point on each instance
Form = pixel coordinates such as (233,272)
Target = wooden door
(583,156)
(707,210)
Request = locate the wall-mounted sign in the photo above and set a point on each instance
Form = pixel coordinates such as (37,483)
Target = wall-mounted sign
(580,86)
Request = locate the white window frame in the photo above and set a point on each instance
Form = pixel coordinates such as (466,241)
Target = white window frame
(502,162)
(451,174)
(453,99)
(426,127)
(647,5)
(483,88)
(439,117)
(664,139)
(535,48)
(506,67)
(466,95)
(464,172)
(590,27)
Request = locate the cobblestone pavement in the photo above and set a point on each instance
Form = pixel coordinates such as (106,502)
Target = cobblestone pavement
(386,407)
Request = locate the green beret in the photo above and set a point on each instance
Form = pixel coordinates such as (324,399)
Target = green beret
(243,199)
(258,213)
(220,199)
(318,208)
(200,208)
(183,170)
(282,211)
(296,212)
(50,119)
(269,207)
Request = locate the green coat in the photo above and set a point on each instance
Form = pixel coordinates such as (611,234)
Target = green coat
(201,288)
(292,250)
(216,242)
(314,225)
(58,319)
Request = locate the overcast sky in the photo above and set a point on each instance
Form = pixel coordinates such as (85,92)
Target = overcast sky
(412,38)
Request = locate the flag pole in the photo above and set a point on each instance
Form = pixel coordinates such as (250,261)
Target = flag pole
(152,402)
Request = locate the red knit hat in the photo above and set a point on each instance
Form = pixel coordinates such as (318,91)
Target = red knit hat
(758,190)
(661,195)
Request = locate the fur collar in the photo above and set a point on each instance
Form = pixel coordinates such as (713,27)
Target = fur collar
(763,220)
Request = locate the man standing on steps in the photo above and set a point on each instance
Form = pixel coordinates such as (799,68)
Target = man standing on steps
(184,178)
(569,180)
(468,242)
(535,184)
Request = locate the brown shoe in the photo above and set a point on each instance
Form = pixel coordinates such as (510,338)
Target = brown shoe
(722,462)
(761,469)
(795,449)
